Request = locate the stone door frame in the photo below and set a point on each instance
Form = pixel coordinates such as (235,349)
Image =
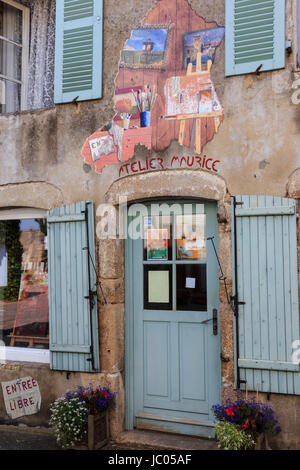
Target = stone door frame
(114,330)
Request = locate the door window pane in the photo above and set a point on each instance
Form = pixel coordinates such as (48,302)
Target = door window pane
(157,287)
(191,237)
(24,283)
(191,289)
(157,238)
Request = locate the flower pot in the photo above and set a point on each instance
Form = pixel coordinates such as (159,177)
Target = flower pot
(145,118)
(98,432)
(262,443)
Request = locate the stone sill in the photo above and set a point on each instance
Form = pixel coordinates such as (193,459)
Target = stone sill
(25,112)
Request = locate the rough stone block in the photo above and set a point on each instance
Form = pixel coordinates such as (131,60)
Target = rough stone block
(112,338)
(111,259)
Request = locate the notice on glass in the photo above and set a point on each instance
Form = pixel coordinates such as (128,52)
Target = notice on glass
(190,283)
(158,287)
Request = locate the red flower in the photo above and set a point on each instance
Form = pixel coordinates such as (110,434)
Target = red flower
(246,425)
(230,411)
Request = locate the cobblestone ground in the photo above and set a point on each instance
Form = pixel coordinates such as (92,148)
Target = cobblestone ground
(26,440)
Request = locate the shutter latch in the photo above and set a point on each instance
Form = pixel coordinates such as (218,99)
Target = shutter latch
(233,298)
(91,297)
(257,71)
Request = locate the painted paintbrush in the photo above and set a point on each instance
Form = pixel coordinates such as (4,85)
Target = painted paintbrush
(154,100)
(153,96)
(136,100)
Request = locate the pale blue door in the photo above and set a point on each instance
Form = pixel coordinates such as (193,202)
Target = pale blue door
(172,317)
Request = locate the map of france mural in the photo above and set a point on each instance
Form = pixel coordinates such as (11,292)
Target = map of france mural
(164,90)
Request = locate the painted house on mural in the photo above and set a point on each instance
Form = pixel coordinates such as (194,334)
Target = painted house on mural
(149,186)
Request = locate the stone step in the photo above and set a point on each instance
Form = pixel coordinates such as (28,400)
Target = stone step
(138,439)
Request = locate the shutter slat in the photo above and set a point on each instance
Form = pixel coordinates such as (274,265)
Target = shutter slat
(79,39)
(267,276)
(74,10)
(255,36)
(71,321)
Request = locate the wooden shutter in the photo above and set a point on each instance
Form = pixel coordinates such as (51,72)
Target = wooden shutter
(267,288)
(78,50)
(255,36)
(73,315)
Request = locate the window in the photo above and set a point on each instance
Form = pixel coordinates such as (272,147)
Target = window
(14,31)
(58,246)
(78,50)
(255,36)
(35,35)
(24,317)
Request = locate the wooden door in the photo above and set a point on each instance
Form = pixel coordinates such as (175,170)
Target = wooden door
(172,325)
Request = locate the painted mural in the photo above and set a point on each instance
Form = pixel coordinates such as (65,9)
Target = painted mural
(164,91)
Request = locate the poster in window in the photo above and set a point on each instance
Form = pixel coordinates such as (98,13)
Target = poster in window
(190,234)
(157,244)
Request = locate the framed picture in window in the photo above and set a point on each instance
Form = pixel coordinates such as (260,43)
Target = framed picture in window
(157,244)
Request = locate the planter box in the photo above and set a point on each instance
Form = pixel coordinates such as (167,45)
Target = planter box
(98,432)
(262,443)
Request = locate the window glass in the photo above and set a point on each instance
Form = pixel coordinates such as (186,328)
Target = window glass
(11,60)
(191,289)
(157,238)
(10,96)
(191,237)
(158,287)
(11,56)
(24,319)
(10,22)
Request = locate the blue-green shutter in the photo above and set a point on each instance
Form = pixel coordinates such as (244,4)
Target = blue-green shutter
(73,318)
(255,36)
(78,50)
(267,284)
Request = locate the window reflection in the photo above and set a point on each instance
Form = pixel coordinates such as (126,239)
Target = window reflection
(24,283)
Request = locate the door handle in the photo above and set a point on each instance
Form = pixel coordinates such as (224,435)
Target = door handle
(214,319)
(215,322)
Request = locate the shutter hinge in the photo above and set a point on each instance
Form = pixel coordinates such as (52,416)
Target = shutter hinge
(238,203)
